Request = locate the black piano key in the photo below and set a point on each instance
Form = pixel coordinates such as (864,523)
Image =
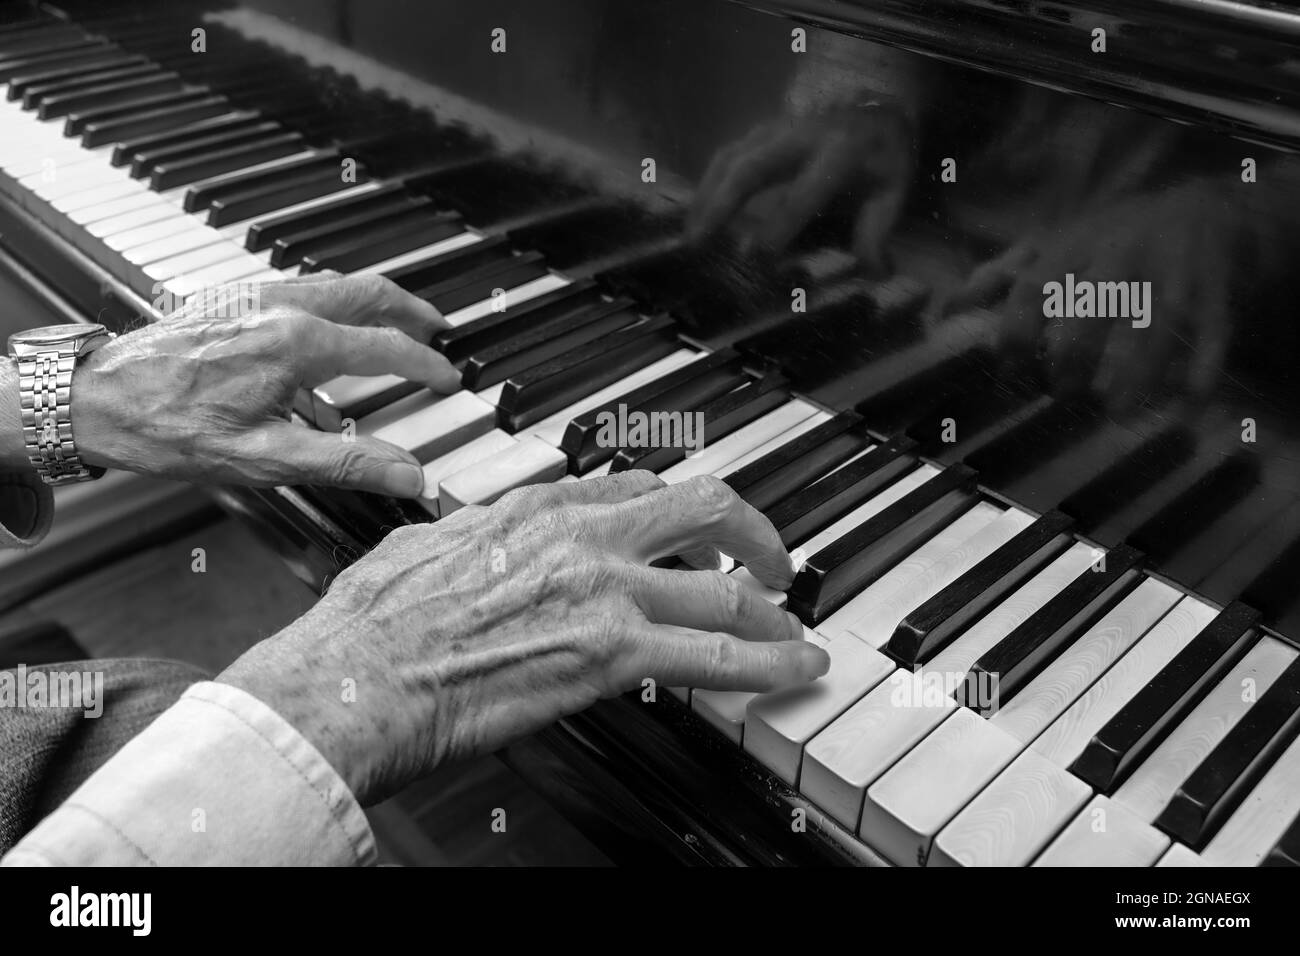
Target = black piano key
(720,417)
(842,569)
(480,283)
(541,343)
(824,502)
(30,62)
(152,121)
(418,275)
(184,146)
(799,462)
(129,107)
(1141,724)
(1231,769)
(328,226)
(932,626)
(532,395)
(112,93)
(202,195)
(39,35)
(685,389)
(31,88)
(1018,657)
(124,152)
(311,223)
(407,235)
(257,200)
(49,46)
(460,343)
(1287,850)
(183,172)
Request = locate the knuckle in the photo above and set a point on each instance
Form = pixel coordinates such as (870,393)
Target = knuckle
(732,598)
(347,463)
(721,662)
(713,496)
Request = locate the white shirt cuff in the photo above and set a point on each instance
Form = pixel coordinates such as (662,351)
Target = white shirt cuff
(218,779)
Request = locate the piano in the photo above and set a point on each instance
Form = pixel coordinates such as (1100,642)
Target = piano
(1052,549)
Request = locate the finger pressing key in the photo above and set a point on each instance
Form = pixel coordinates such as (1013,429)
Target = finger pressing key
(700,512)
(712,601)
(332,350)
(710,660)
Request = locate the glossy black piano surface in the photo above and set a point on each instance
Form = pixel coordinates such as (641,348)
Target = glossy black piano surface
(912,176)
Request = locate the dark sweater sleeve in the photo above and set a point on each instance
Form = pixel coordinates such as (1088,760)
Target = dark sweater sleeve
(26,508)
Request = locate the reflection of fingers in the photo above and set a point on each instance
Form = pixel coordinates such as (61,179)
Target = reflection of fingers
(810,192)
(993,279)
(744,175)
(876,222)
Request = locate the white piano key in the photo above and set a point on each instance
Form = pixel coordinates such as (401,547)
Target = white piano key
(876,504)
(1085,660)
(451,244)
(551,429)
(132,217)
(1153,784)
(427,427)
(789,435)
(189,263)
(102,219)
(1179,855)
(1255,827)
(152,231)
(874,614)
(466,456)
(725,709)
(777,726)
(891,721)
(492,394)
(600,471)
(97,196)
(529,462)
(236,268)
(1105,833)
(1069,733)
(513,297)
(1014,817)
(714,456)
(771,595)
(906,808)
(171,245)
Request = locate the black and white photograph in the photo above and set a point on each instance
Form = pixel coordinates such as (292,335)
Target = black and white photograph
(652,433)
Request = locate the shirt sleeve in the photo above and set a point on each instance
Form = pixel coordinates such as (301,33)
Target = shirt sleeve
(26,508)
(218,779)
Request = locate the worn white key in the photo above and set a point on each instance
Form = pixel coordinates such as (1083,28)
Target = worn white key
(531,461)
(777,726)
(238,267)
(172,244)
(1014,817)
(92,217)
(875,613)
(1153,784)
(725,709)
(1255,827)
(1069,733)
(503,303)
(714,456)
(492,394)
(132,217)
(551,429)
(1105,833)
(68,205)
(1179,855)
(1086,659)
(906,808)
(427,427)
(190,263)
(891,721)
(156,230)
(466,456)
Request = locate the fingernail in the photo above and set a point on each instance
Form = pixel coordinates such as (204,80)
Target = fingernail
(813,661)
(403,480)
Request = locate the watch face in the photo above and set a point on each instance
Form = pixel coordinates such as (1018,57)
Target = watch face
(53,335)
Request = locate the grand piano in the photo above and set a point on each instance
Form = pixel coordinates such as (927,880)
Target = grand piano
(985,303)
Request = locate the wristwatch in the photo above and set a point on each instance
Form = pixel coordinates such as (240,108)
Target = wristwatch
(46,358)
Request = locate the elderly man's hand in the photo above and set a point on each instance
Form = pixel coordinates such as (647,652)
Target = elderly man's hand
(452,639)
(204,397)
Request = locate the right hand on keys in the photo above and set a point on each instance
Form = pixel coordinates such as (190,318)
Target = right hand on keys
(464,635)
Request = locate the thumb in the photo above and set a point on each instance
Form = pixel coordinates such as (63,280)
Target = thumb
(344,460)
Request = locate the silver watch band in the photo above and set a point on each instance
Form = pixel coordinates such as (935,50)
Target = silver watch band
(45,390)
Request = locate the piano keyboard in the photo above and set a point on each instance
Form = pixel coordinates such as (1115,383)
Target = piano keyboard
(1001,692)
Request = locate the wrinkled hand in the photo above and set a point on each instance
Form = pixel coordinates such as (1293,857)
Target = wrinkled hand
(784,174)
(205,398)
(1181,241)
(464,635)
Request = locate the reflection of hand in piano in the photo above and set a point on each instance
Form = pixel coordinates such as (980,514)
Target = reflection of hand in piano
(782,175)
(1180,241)
(494,622)
(205,396)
